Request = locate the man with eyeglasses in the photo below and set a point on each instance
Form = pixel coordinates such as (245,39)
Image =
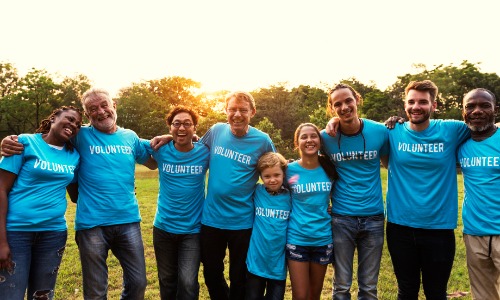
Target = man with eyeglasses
(176,232)
(357,204)
(227,217)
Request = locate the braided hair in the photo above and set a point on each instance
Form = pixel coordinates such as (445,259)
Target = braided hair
(45,124)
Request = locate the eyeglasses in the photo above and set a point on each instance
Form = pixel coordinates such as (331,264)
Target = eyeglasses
(178,124)
(234,110)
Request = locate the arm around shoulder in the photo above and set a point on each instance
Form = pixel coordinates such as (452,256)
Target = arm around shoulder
(10,146)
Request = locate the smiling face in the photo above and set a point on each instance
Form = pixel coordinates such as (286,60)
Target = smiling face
(308,141)
(239,112)
(101,111)
(272,178)
(182,129)
(419,107)
(479,111)
(65,126)
(344,104)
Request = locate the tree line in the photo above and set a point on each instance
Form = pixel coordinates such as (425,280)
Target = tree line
(25,101)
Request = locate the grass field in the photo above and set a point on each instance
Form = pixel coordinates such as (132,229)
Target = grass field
(69,284)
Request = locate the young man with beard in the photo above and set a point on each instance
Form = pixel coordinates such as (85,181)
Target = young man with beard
(107,213)
(479,158)
(422,195)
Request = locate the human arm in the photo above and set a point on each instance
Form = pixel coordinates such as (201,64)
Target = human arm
(10,146)
(72,190)
(384,159)
(6,182)
(333,126)
(160,140)
(151,163)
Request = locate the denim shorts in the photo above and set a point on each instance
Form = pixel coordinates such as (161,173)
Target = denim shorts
(322,255)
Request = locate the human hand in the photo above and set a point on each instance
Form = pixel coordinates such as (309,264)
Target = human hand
(5,258)
(333,126)
(160,140)
(391,122)
(10,146)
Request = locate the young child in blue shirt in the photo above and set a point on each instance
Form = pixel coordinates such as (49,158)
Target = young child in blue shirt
(266,253)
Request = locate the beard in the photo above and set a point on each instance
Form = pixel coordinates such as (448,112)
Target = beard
(490,122)
(423,118)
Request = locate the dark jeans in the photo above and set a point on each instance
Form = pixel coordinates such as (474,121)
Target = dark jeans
(256,286)
(125,241)
(37,256)
(178,261)
(414,250)
(214,242)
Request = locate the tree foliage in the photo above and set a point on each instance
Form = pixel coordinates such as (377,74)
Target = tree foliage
(25,101)
(142,107)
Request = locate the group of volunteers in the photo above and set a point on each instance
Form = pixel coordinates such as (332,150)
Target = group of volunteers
(302,216)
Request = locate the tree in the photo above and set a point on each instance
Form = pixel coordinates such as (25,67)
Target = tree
(453,83)
(143,107)
(275,134)
(8,79)
(39,90)
(135,109)
(71,90)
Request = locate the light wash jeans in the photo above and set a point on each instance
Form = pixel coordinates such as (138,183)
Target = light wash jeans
(125,241)
(178,261)
(366,234)
(37,257)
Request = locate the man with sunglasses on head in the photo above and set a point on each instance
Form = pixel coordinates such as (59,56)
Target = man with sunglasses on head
(357,149)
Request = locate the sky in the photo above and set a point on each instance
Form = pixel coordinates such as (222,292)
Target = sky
(245,45)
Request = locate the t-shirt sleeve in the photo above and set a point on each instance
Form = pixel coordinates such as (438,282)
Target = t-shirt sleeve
(141,153)
(14,163)
(207,138)
(385,147)
(463,131)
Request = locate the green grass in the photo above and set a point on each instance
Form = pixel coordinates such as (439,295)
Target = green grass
(69,284)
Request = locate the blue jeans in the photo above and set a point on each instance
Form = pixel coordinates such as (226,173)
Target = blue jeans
(256,287)
(125,241)
(427,251)
(367,235)
(178,261)
(214,242)
(37,256)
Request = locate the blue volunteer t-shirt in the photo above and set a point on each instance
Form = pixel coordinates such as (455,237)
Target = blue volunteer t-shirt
(422,178)
(266,253)
(310,223)
(232,176)
(358,190)
(106,193)
(37,200)
(480,162)
(182,187)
